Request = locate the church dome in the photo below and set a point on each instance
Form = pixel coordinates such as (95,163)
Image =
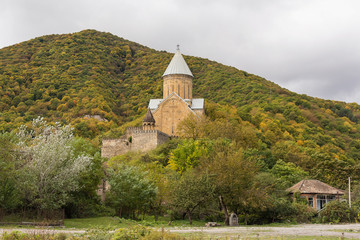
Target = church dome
(178,66)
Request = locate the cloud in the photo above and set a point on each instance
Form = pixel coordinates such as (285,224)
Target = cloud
(310,47)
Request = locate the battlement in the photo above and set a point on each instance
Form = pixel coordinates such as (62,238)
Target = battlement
(135,139)
(130,129)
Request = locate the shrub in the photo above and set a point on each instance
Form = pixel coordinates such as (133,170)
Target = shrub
(131,233)
(143,233)
(304,213)
(336,212)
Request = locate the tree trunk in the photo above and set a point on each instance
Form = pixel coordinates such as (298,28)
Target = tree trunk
(225,210)
(120,212)
(156,215)
(189,216)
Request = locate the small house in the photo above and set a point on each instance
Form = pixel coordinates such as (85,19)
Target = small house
(316,192)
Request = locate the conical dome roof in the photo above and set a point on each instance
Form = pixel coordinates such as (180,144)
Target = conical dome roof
(178,65)
(149,117)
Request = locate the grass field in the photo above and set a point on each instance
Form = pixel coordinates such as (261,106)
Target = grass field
(116,222)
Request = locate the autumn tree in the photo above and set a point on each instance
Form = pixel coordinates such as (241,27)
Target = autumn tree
(233,176)
(192,191)
(188,154)
(130,190)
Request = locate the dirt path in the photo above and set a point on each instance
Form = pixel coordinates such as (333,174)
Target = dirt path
(41,230)
(349,230)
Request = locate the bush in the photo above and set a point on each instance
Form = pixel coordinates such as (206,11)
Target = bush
(143,233)
(155,235)
(131,233)
(336,212)
(303,213)
(16,235)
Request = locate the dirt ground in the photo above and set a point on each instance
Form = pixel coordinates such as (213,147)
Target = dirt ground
(349,230)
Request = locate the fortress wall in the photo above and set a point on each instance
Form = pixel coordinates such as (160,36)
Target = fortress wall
(144,140)
(141,140)
(114,147)
(162,137)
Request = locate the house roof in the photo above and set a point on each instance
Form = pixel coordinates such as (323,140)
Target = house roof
(178,66)
(149,117)
(314,186)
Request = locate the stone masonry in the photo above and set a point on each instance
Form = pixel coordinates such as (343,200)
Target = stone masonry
(135,139)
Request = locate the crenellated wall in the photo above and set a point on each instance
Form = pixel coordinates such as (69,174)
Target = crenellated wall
(135,139)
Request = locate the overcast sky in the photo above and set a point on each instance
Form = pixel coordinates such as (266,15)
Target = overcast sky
(307,46)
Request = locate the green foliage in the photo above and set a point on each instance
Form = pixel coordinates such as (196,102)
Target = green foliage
(130,190)
(187,155)
(336,212)
(134,232)
(84,202)
(50,168)
(9,194)
(288,173)
(192,191)
(302,212)
(143,233)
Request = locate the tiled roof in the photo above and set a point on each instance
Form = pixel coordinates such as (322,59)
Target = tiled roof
(314,186)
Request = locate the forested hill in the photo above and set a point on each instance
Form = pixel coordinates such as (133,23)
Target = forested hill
(65,77)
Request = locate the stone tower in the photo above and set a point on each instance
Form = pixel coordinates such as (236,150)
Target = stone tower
(177,102)
(148,121)
(178,78)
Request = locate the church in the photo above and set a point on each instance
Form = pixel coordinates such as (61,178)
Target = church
(177,102)
(164,115)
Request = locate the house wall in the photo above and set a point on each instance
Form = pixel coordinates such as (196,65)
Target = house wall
(314,196)
(307,196)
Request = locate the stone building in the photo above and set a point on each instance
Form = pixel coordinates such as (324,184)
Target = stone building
(316,193)
(177,102)
(163,115)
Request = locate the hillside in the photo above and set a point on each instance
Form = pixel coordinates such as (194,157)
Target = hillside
(65,77)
